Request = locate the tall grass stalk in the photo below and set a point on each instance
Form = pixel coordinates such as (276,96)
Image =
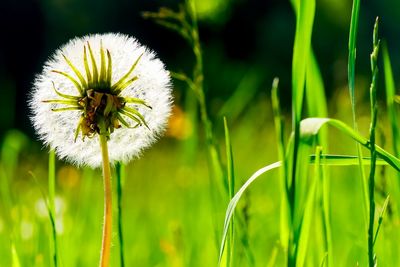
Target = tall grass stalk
(390,102)
(301,51)
(227,257)
(351,81)
(374,112)
(51,201)
(184,22)
(393,116)
(120,171)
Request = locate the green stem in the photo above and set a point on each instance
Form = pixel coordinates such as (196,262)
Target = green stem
(120,172)
(52,182)
(374,111)
(107,226)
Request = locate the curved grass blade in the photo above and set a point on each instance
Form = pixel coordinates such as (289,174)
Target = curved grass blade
(311,126)
(235,200)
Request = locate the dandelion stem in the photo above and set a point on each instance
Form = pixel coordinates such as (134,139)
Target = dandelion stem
(106,244)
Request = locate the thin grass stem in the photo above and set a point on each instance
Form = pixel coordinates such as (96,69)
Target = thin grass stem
(52,181)
(120,169)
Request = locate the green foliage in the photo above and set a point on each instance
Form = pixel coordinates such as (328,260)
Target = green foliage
(307,214)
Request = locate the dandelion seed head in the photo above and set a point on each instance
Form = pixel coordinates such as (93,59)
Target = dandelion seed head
(59,129)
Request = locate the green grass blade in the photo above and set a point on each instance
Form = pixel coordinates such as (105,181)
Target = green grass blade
(280,136)
(14,255)
(305,11)
(351,80)
(120,170)
(301,52)
(380,219)
(315,90)
(52,185)
(234,201)
(309,212)
(390,103)
(352,53)
(374,115)
(345,160)
(227,255)
(51,216)
(317,107)
(311,126)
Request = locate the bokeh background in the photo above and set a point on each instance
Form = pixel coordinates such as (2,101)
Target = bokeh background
(243,41)
(169,218)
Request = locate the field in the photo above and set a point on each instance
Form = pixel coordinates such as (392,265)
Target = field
(285,171)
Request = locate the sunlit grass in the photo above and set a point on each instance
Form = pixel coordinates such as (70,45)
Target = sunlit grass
(259,189)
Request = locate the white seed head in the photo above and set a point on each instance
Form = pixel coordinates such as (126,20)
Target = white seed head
(131,107)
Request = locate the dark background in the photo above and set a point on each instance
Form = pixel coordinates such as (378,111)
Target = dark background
(238,37)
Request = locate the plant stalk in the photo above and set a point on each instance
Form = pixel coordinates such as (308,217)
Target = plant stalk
(107,226)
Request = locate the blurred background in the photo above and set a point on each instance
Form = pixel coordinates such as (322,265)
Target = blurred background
(169,217)
(244,41)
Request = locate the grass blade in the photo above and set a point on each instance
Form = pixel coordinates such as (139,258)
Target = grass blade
(390,95)
(311,126)
(374,113)
(305,11)
(15,258)
(380,219)
(51,205)
(280,136)
(345,160)
(351,80)
(234,201)
(120,169)
(352,54)
(309,211)
(227,255)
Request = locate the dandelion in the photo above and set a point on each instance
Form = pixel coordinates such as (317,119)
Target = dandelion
(101,99)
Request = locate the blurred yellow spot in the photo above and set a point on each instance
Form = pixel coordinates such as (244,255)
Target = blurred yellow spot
(179,125)
(68,177)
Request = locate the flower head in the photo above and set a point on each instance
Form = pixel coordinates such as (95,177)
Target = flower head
(105,84)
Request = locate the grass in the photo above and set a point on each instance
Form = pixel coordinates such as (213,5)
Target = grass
(255,194)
